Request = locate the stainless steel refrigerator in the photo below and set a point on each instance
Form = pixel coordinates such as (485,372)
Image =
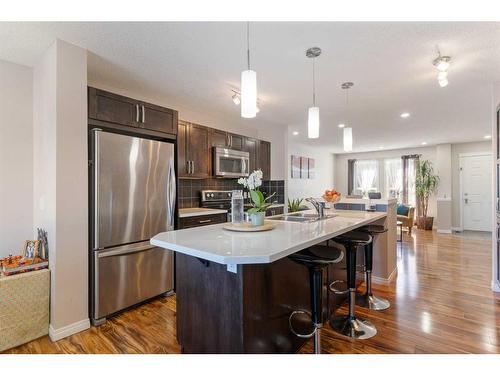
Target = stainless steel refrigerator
(133,192)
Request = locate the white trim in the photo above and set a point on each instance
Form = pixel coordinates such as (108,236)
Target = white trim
(444,231)
(71,329)
(495,286)
(457,229)
(460,182)
(382,281)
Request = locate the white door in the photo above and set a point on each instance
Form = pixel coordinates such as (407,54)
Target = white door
(476,192)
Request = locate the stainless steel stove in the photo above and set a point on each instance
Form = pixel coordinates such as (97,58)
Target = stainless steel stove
(220,199)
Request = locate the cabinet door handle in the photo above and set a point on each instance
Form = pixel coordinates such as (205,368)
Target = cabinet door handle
(137,113)
(205,221)
(143,115)
(188,167)
(192,166)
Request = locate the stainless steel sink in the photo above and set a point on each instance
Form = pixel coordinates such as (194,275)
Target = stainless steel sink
(301,217)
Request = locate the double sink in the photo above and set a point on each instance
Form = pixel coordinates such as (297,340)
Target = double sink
(301,217)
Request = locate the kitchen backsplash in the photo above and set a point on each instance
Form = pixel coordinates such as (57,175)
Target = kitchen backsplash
(190,190)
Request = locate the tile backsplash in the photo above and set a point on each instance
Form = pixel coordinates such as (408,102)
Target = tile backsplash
(190,190)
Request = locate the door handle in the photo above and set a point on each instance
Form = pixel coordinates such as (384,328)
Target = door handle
(466,200)
(188,167)
(205,221)
(143,115)
(192,167)
(137,113)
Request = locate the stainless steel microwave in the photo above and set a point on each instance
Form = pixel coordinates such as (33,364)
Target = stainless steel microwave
(230,163)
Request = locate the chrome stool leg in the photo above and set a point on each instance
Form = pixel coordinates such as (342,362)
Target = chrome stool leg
(367,299)
(349,325)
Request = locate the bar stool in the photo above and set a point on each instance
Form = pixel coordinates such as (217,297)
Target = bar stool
(367,299)
(316,259)
(349,325)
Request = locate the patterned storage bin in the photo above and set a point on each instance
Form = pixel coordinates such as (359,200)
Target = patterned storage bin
(24,307)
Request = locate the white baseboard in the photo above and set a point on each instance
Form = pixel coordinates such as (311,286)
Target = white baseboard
(444,231)
(60,333)
(382,281)
(457,229)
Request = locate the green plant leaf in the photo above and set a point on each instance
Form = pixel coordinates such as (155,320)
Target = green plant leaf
(257,197)
(252,211)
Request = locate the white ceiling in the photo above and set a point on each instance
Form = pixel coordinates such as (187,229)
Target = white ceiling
(390,64)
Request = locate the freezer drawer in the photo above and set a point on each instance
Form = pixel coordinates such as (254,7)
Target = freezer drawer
(128,275)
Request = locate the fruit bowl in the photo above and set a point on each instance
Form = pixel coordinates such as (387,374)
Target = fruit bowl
(332,196)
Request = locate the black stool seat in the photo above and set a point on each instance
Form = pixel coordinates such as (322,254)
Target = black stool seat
(356,238)
(367,299)
(373,229)
(315,258)
(318,255)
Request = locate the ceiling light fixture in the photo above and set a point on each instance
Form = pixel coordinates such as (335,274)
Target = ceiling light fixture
(248,86)
(405,115)
(236,98)
(313,112)
(442,63)
(424,143)
(487,136)
(347,130)
(341,126)
(295,133)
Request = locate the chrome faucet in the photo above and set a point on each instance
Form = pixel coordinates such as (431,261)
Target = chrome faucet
(319,206)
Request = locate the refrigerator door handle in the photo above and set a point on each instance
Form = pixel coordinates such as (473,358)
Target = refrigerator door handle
(171,195)
(97,133)
(127,249)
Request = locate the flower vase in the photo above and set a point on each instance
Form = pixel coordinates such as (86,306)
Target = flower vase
(257,219)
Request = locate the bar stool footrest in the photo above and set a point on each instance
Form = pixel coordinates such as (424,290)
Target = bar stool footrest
(304,336)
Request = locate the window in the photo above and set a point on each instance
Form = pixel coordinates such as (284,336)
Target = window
(366,176)
(394,178)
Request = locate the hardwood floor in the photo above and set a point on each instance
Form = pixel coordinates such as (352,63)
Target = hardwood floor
(441,303)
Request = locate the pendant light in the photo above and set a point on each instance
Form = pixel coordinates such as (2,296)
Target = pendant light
(313,113)
(442,63)
(248,86)
(347,129)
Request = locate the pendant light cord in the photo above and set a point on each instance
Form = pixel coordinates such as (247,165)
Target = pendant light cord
(314,85)
(248,45)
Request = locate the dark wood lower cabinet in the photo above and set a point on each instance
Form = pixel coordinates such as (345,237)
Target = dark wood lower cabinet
(198,221)
(222,312)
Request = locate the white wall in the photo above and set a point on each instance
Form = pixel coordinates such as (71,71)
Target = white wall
(60,181)
(324,165)
(427,153)
(456,150)
(16,157)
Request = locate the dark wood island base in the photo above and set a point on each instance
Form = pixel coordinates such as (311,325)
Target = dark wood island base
(244,312)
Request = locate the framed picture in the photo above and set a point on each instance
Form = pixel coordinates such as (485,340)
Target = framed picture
(304,167)
(31,249)
(295,166)
(311,171)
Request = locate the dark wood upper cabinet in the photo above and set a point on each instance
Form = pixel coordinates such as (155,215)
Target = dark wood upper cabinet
(193,150)
(199,151)
(182,136)
(264,159)
(105,106)
(250,145)
(236,141)
(157,118)
(218,138)
(118,109)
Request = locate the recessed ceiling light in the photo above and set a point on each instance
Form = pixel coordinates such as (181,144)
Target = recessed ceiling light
(341,126)
(295,133)
(487,136)
(424,143)
(405,115)
(381,148)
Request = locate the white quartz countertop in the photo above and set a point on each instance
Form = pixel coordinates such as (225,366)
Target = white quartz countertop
(216,244)
(199,211)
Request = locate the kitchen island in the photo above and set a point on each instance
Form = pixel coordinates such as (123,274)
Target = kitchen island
(236,290)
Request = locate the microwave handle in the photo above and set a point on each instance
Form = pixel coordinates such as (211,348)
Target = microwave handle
(244,169)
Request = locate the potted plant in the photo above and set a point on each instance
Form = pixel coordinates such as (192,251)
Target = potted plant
(426,183)
(296,205)
(259,205)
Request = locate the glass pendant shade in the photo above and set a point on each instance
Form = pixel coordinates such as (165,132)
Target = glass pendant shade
(443,82)
(313,123)
(248,94)
(347,139)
